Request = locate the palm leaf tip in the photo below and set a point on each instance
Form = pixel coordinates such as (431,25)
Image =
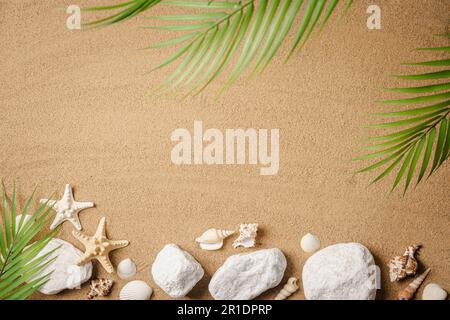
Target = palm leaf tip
(424,146)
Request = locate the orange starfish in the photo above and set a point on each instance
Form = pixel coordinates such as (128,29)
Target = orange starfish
(99,246)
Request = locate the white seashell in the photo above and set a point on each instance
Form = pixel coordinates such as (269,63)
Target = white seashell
(214,236)
(211,246)
(136,290)
(126,269)
(247,236)
(433,291)
(289,288)
(310,243)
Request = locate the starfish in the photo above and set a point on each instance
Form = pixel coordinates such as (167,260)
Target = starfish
(67,208)
(99,246)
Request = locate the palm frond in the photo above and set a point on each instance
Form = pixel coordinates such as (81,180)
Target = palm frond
(126,9)
(20,265)
(217,30)
(257,28)
(425,145)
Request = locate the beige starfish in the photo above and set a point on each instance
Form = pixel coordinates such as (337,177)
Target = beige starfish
(99,246)
(67,208)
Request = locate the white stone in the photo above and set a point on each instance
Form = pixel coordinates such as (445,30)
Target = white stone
(310,243)
(66,274)
(433,291)
(176,271)
(345,271)
(246,276)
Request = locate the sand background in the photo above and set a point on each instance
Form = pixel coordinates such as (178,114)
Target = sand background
(75,109)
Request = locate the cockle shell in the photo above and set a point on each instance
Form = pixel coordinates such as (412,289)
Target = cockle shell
(310,243)
(247,235)
(126,269)
(100,288)
(433,291)
(212,239)
(136,290)
(406,265)
(409,291)
(289,288)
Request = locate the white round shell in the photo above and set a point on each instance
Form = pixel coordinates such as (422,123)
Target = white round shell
(310,243)
(126,269)
(136,290)
(433,291)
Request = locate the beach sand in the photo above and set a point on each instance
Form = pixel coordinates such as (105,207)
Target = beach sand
(76,107)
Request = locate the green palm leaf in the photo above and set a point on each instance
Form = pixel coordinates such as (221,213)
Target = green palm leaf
(425,144)
(20,266)
(127,9)
(212,35)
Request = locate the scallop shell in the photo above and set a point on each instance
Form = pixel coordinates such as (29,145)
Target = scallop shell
(126,269)
(310,243)
(136,290)
(289,288)
(433,291)
(214,236)
(406,265)
(409,292)
(247,236)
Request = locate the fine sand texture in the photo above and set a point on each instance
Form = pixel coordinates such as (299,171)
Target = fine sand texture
(77,107)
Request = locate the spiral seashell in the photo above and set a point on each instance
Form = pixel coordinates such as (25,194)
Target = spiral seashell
(136,290)
(214,236)
(410,290)
(247,236)
(289,288)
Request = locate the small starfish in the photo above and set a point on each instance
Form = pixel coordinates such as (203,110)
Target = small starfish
(99,246)
(67,208)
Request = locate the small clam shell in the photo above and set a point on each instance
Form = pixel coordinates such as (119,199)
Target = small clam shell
(310,243)
(136,290)
(126,269)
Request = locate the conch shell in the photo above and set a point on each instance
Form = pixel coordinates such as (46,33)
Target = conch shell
(100,288)
(289,288)
(406,265)
(410,290)
(247,235)
(212,239)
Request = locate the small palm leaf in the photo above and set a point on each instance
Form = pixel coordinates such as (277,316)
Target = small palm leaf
(215,33)
(426,143)
(20,265)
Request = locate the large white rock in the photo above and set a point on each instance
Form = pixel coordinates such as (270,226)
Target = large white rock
(345,271)
(246,276)
(176,271)
(66,274)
